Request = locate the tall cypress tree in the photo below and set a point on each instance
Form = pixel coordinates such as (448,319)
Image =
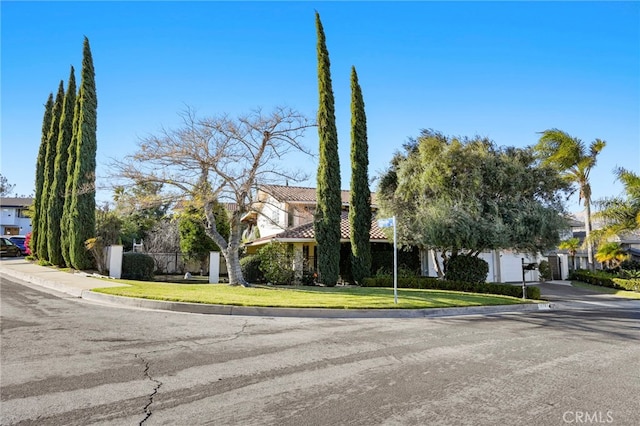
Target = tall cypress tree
(56,198)
(65,222)
(328,192)
(52,140)
(40,165)
(360,203)
(82,218)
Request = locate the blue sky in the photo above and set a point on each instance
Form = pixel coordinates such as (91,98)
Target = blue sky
(505,70)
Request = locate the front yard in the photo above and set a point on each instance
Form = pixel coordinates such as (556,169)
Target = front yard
(305,297)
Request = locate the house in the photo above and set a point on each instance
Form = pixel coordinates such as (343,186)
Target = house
(14,219)
(285,214)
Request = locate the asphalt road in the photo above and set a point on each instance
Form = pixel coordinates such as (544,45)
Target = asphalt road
(66,361)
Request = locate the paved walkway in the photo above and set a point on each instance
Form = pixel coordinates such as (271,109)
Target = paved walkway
(559,293)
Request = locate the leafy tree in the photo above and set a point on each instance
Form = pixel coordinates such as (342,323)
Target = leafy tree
(83,203)
(57,194)
(194,241)
(49,166)
(329,195)
(571,245)
(620,214)
(574,160)
(460,196)
(360,203)
(220,159)
(108,226)
(611,254)
(5,186)
(40,165)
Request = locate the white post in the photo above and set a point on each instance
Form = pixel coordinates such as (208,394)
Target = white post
(115,262)
(214,267)
(395,263)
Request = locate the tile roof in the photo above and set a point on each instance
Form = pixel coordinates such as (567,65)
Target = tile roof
(306,232)
(302,194)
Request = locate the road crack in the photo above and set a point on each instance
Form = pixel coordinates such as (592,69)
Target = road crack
(157,385)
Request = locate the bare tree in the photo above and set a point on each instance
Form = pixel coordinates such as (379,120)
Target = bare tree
(164,237)
(221,159)
(5,186)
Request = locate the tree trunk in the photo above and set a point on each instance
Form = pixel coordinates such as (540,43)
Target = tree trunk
(229,250)
(587,226)
(233,268)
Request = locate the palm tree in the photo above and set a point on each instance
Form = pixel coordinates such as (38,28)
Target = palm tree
(620,215)
(571,245)
(611,254)
(574,160)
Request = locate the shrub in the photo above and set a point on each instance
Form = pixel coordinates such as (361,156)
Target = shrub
(96,248)
(276,263)
(628,284)
(250,266)
(308,278)
(431,283)
(606,279)
(630,268)
(600,278)
(545,271)
(469,269)
(629,274)
(137,266)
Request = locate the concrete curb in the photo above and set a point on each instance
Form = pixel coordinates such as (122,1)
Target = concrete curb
(42,282)
(79,285)
(198,308)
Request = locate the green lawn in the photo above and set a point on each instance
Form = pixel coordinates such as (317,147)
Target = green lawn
(304,297)
(607,290)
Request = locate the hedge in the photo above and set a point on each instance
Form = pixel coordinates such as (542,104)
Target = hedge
(431,283)
(605,279)
(137,266)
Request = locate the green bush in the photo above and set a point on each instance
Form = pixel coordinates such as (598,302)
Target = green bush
(431,283)
(137,266)
(629,274)
(465,268)
(630,265)
(250,266)
(628,284)
(600,278)
(276,262)
(606,279)
(545,271)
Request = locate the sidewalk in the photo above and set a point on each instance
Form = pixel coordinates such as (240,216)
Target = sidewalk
(73,284)
(80,285)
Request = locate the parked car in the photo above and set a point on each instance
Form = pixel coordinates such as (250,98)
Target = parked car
(8,249)
(20,241)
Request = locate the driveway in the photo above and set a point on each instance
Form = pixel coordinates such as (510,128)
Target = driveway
(564,296)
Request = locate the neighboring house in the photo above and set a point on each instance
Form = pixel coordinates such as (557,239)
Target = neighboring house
(14,219)
(560,260)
